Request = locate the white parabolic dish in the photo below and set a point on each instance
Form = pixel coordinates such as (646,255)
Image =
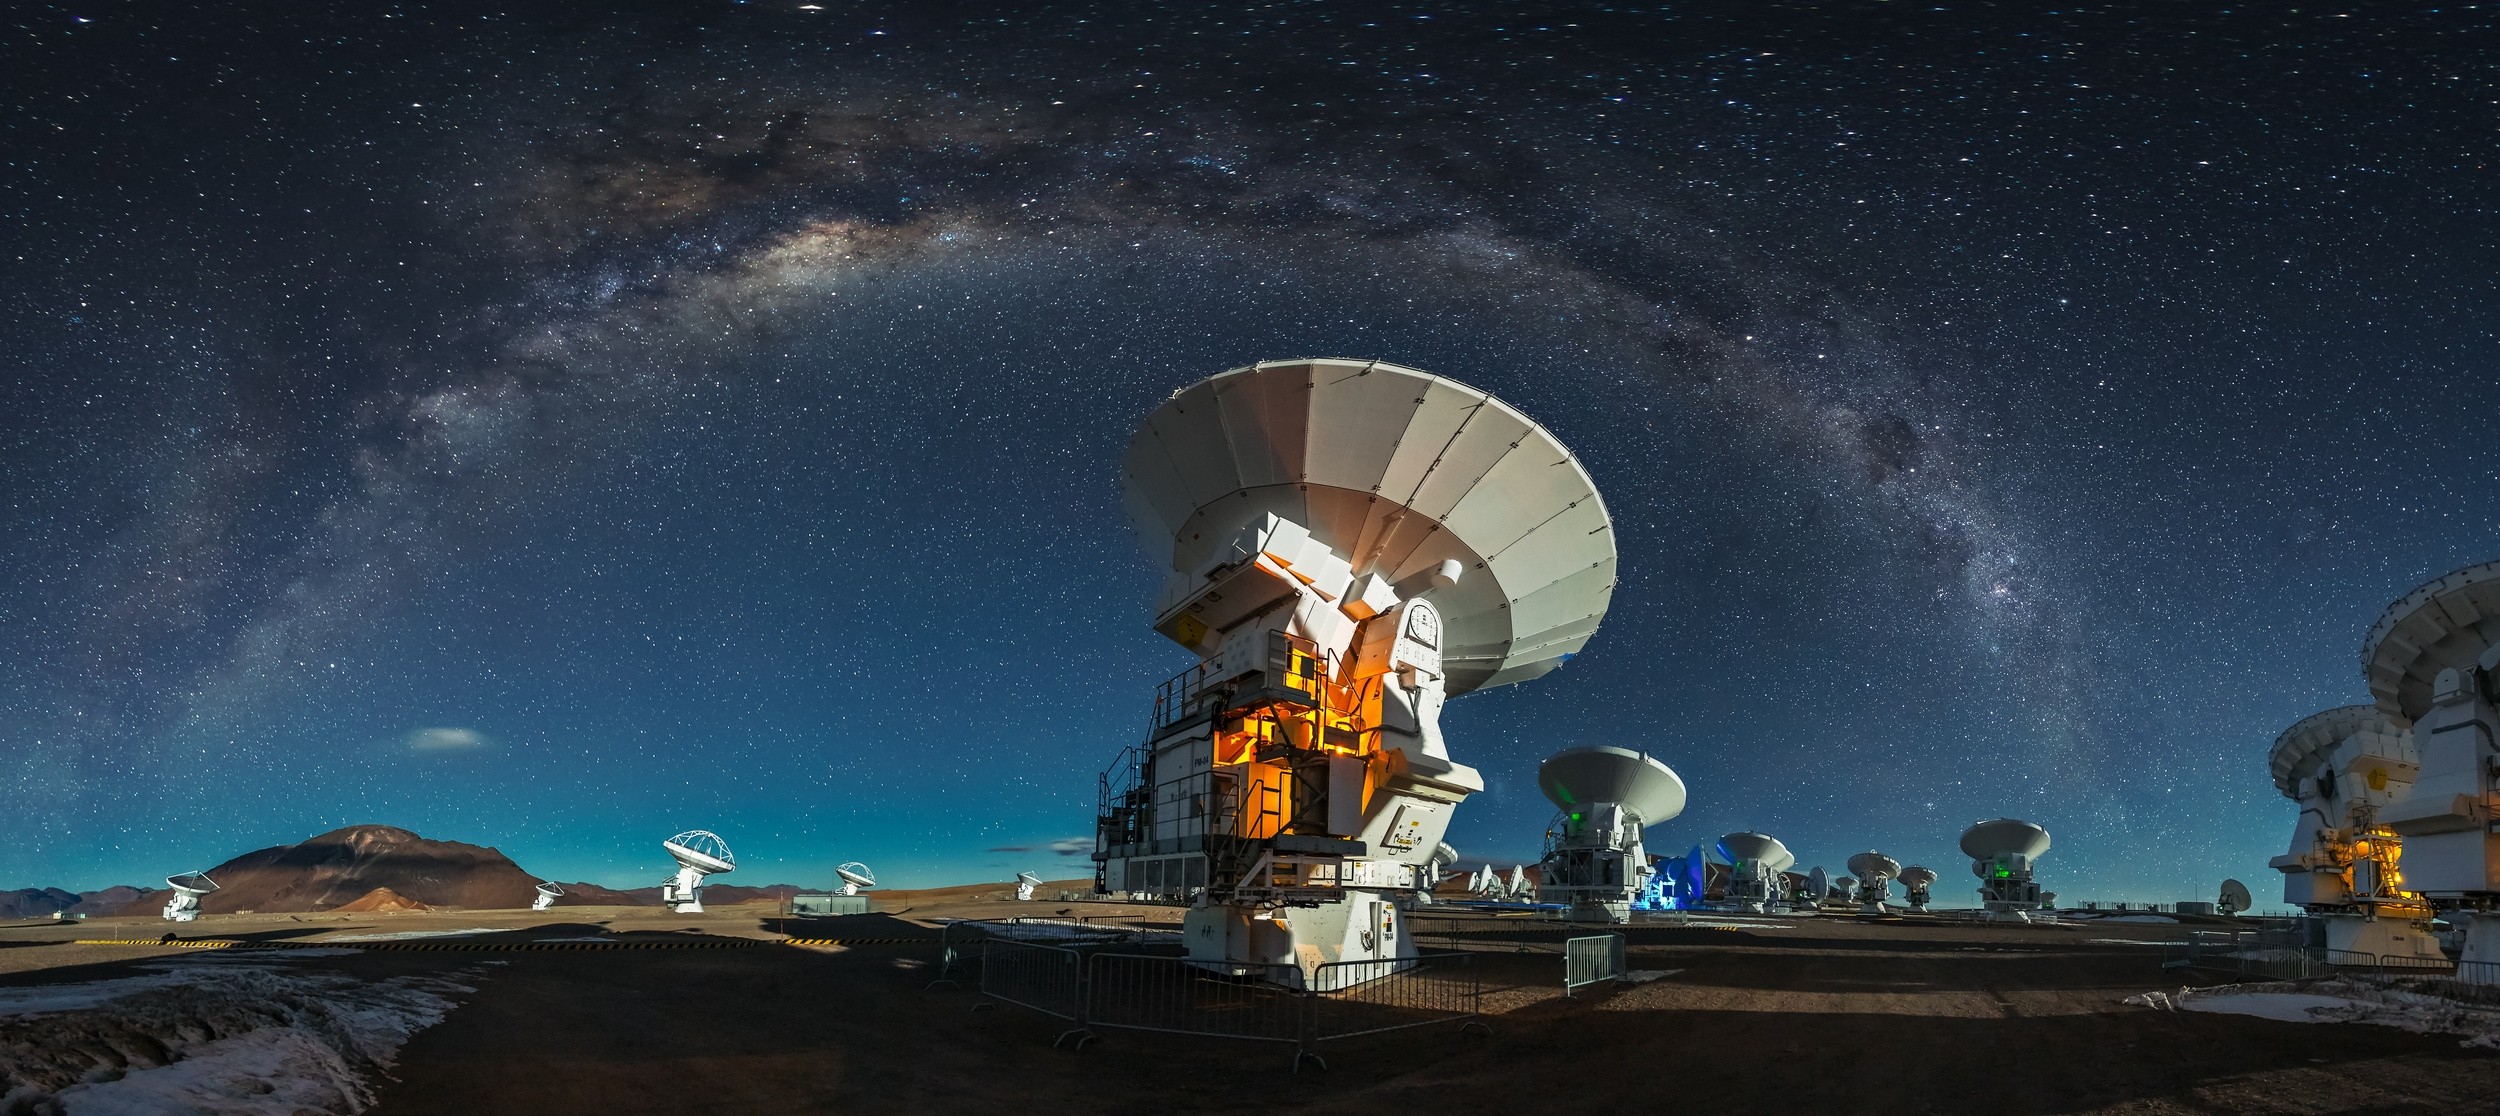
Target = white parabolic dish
(2004,837)
(1915,876)
(1760,847)
(2305,746)
(1874,866)
(1021,877)
(191,883)
(857,874)
(1396,470)
(1581,776)
(2235,895)
(550,890)
(2445,624)
(701,850)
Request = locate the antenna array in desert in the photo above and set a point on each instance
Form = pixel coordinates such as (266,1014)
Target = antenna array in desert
(699,853)
(1350,544)
(2001,854)
(1757,863)
(188,887)
(548,893)
(1594,859)
(1875,873)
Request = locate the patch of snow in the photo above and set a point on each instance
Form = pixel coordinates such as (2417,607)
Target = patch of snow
(2341,1000)
(219,1038)
(2289,1007)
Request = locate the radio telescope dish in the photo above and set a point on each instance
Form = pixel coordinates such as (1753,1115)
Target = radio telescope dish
(1874,871)
(1646,788)
(2309,745)
(1594,858)
(2235,898)
(1755,861)
(1025,883)
(855,877)
(548,893)
(188,888)
(1916,880)
(2002,852)
(1400,473)
(1762,848)
(2448,624)
(1818,888)
(2004,837)
(699,853)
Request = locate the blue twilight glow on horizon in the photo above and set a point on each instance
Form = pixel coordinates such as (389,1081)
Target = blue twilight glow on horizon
(559,432)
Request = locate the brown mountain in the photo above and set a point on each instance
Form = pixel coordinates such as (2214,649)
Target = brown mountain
(344,865)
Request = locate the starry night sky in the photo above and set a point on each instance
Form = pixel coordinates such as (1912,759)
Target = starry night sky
(558,427)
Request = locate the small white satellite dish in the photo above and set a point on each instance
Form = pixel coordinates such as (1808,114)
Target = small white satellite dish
(1818,886)
(1025,883)
(1917,880)
(1519,887)
(2235,898)
(547,895)
(699,853)
(188,887)
(855,877)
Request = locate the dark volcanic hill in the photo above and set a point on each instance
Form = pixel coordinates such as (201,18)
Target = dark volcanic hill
(344,865)
(36,902)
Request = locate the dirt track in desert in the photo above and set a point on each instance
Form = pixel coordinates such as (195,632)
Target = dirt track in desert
(1881,1017)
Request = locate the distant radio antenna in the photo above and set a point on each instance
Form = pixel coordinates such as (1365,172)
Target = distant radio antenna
(856,877)
(2235,898)
(188,887)
(1875,872)
(1755,863)
(2001,853)
(548,893)
(1916,881)
(1594,858)
(699,853)
(1025,883)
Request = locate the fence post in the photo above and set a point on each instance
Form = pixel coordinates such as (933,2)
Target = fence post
(1306,1026)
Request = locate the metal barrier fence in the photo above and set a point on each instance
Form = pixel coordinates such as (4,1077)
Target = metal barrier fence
(2473,982)
(1090,987)
(1393,995)
(1591,959)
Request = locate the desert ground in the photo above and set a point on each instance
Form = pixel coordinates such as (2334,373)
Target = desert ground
(1774,1015)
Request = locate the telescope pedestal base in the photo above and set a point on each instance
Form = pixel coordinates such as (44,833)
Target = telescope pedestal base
(1253,941)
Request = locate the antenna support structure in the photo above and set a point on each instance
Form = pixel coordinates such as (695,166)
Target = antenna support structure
(2001,853)
(1350,544)
(1595,863)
